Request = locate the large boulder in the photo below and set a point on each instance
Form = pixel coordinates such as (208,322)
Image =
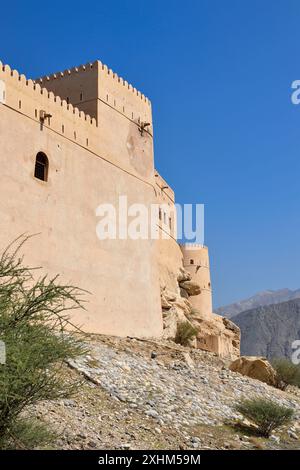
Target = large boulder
(255,367)
(183,275)
(191,287)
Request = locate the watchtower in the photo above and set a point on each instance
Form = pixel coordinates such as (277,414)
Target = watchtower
(196,262)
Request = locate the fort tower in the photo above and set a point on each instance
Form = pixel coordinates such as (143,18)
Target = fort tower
(196,262)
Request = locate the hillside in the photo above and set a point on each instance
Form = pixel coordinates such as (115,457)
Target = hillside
(270,330)
(266,297)
(158,395)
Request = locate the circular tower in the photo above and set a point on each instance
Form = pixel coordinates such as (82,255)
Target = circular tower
(196,262)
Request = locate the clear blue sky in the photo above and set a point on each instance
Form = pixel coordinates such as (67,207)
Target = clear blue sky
(218,73)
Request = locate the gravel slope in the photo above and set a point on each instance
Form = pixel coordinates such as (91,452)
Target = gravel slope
(157,395)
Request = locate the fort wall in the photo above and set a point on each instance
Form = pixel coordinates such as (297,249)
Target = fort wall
(97,133)
(169,253)
(84,171)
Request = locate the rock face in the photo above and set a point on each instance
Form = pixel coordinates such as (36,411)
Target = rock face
(183,276)
(270,331)
(176,310)
(215,334)
(191,287)
(256,368)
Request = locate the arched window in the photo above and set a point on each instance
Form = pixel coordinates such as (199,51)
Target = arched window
(191,261)
(41,167)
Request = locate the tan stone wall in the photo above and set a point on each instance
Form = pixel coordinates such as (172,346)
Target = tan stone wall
(169,253)
(89,165)
(2,91)
(196,262)
(169,262)
(95,82)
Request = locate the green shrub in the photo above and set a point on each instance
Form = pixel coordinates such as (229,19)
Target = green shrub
(185,332)
(287,373)
(265,414)
(27,433)
(33,326)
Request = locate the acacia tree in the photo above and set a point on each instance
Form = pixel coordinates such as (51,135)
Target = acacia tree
(266,414)
(35,328)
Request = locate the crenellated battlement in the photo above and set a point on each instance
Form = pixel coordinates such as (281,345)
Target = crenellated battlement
(30,98)
(20,80)
(193,246)
(88,105)
(92,65)
(89,85)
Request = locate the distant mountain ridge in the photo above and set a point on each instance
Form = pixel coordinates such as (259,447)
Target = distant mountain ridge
(270,330)
(267,297)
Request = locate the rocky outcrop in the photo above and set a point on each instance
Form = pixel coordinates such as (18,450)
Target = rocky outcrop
(187,287)
(171,320)
(215,334)
(191,287)
(255,367)
(176,309)
(183,276)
